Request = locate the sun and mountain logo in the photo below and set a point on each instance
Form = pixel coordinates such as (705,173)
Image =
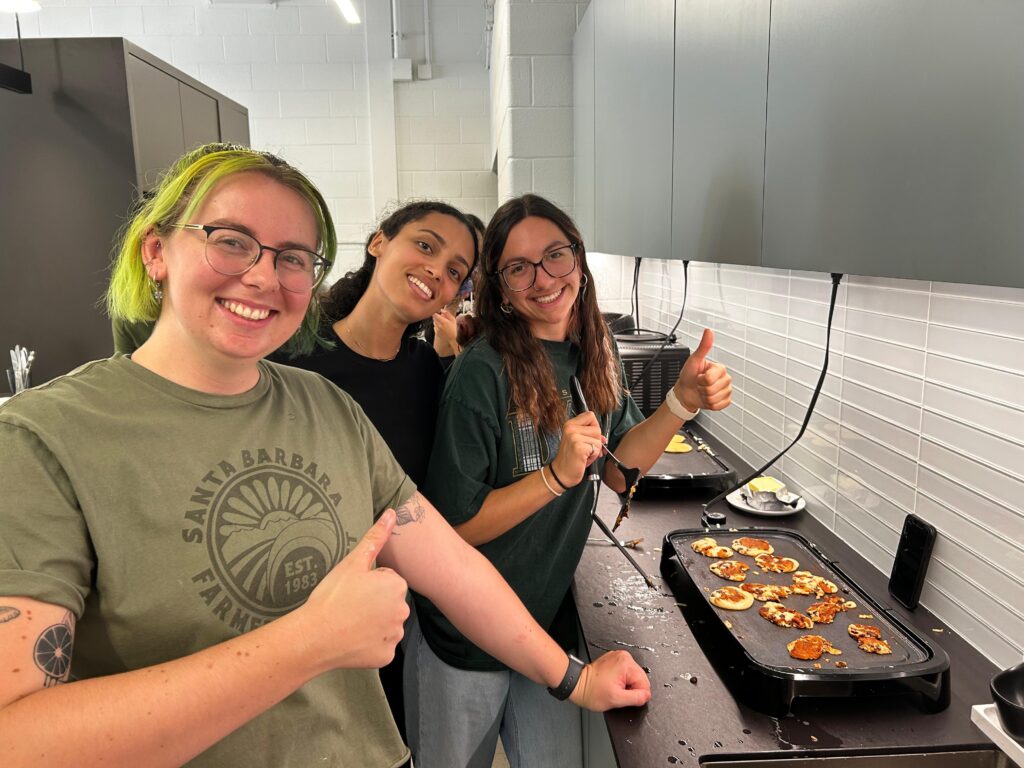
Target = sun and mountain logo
(271,532)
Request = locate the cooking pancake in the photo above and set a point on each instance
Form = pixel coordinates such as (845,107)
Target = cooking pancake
(864,630)
(701,544)
(769,562)
(746,545)
(782,616)
(731,599)
(874,645)
(806,583)
(810,648)
(824,612)
(731,570)
(766,592)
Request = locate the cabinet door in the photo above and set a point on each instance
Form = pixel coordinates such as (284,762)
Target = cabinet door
(633,126)
(156,119)
(721,69)
(583,126)
(199,122)
(894,139)
(234,124)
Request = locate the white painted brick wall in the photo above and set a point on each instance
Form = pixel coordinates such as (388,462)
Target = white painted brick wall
(438,121)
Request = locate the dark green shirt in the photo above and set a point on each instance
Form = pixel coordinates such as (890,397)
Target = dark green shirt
(481,445)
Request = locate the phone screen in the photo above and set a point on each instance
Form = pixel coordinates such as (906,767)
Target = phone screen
(911,563)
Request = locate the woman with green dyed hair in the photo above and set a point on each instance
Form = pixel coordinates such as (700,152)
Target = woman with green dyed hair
(190,534)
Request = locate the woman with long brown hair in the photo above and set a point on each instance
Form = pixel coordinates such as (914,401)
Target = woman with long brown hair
(506,470)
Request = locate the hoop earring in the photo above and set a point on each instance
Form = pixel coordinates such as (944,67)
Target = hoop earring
(506,308)
(583,286)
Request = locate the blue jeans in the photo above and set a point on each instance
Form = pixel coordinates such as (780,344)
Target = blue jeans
(454,716)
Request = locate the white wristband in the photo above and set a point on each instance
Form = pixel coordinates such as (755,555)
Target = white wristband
(677,408)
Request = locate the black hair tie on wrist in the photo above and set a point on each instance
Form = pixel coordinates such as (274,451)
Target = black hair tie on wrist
(551,469)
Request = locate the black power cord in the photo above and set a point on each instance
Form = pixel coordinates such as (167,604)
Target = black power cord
(671,335)
(836,278)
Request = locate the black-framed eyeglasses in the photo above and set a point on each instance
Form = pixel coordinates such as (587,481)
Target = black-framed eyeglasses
(231,252)
(521,275)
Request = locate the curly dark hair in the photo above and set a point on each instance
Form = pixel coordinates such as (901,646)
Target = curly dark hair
(341,298)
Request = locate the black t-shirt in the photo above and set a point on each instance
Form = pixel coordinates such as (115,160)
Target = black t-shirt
(399,396)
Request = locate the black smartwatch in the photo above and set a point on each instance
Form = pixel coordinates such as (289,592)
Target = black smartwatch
(572,676)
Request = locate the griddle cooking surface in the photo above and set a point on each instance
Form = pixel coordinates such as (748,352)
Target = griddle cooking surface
(765,642)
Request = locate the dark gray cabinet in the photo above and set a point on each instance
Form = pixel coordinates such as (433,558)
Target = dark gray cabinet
(103,119)
(895,139)
(721,67)
(624,123)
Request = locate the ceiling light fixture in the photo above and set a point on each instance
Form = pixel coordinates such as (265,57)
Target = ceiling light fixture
(19,6)
(348,10)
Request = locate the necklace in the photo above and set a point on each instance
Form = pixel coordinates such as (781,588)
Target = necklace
(363,351)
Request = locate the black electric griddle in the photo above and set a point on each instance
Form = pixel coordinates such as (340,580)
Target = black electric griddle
(699,468)
(751,655)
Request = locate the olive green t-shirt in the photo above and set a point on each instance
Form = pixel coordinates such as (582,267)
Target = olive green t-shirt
(168,520)
(482,444)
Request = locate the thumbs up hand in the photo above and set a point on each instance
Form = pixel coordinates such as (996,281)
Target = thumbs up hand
(703,383)
(357,611)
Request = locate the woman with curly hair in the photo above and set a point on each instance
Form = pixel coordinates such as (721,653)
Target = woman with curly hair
(506,471)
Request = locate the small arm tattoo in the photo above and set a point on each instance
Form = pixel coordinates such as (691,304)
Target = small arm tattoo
(53,651)
(8,613)
(410,512)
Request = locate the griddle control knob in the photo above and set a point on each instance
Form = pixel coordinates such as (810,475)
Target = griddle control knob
(712,519)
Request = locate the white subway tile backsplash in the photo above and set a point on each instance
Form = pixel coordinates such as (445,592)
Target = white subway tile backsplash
(998,317)
(965,469)
(995,351)
(888,301)
(972,505)
(993,441)
(898,330)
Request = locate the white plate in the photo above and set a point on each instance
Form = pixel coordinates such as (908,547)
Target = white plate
(736,500)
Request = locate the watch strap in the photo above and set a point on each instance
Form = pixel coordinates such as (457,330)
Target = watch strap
(572,676)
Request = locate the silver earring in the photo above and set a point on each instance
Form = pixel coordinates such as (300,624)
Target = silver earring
(158,292)
(583,286)
(506,308)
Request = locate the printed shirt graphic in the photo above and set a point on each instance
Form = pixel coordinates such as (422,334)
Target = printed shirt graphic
(481,445)
(197,517)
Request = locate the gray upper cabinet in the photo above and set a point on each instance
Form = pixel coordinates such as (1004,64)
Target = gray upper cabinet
(894,139)
(721,68)
(583,126)
(103,119)
(633,126)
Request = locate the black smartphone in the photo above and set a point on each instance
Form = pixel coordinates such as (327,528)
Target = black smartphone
(911,563)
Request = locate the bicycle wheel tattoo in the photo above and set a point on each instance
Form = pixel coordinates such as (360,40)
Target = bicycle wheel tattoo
(53,652)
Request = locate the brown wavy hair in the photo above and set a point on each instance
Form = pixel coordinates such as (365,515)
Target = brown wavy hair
(533,390)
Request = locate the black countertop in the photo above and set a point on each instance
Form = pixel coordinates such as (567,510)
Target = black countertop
(692,714)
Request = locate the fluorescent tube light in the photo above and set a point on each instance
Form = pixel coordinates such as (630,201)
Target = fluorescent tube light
(19,6)
(348,10)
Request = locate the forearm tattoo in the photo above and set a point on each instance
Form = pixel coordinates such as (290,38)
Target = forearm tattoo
(53,651)
(410,512)
(8,613)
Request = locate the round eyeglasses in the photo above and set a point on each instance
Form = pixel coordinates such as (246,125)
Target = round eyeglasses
(522,274)
(231,252)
